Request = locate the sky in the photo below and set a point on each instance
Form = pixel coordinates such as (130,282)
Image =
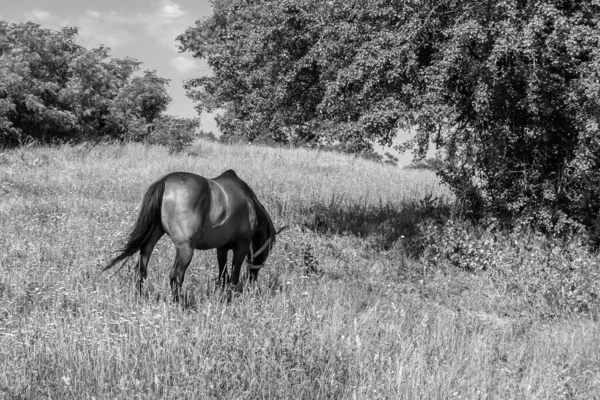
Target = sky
(142,29)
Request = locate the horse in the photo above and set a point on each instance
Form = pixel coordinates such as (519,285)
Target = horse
(200,214)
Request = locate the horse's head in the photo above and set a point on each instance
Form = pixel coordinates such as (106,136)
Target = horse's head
(262,243)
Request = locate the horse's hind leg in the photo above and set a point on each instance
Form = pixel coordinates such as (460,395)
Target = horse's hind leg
(145,253)
(182,261)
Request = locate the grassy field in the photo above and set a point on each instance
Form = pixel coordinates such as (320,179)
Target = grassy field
(392,313)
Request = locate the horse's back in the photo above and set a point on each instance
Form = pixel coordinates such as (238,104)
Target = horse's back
(240,198)
(207,213)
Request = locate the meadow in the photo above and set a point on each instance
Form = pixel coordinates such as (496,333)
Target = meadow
(376,291)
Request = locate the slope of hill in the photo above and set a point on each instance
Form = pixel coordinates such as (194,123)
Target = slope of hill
(360,298)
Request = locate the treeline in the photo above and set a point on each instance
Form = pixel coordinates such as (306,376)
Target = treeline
(54,89)
(508,91)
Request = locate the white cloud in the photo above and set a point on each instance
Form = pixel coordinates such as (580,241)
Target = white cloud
(170,10)
(38,15)
(109,29)
(113,29)
(45,19)
(95,35)
(163,23)
(166,23)
(184,65)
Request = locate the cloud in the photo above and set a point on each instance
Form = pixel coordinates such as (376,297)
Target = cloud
(97,35)
(170,10)
(45,19)
(164,24)
(94,29)
(38,15)
(184,65)
(107,28)
(92,14)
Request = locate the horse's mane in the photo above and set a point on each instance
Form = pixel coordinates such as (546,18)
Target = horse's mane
(261,212)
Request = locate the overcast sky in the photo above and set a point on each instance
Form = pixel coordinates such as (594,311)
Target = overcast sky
(145,30)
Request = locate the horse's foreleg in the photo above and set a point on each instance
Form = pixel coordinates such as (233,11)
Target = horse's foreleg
(145,253)
(222,260)
(239,254)
(182,261)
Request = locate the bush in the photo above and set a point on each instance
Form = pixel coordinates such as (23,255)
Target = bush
(432,164)
(207,135)
(174,132)
(556,276)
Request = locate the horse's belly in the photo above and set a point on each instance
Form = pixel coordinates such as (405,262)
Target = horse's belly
(219,236)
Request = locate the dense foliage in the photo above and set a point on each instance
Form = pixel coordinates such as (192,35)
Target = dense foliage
(508,90)
(53,88)
(176,133)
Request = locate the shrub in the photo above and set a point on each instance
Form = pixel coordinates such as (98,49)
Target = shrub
(174,132)
(432,164)
(556,276)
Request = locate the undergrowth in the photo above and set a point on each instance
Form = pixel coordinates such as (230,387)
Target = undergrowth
(556,276)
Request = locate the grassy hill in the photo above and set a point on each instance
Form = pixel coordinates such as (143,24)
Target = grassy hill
(399,307)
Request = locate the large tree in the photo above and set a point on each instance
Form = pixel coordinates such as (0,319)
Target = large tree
(53,88)
(508,90)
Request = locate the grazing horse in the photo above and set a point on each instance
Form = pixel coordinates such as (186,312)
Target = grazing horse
(201,213)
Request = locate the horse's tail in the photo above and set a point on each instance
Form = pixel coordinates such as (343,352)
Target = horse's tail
(147,219)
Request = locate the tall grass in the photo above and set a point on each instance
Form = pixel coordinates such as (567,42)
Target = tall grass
(373,323)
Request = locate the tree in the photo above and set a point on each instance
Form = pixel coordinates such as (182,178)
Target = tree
(267,73)
(509,85)
(508,89)
(53,88)
(176,133)
(138,104)
(32,74)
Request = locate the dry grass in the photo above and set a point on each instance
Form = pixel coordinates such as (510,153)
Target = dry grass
(374,324)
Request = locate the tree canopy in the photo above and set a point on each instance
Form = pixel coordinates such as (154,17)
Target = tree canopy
(53,88)
(508,90)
